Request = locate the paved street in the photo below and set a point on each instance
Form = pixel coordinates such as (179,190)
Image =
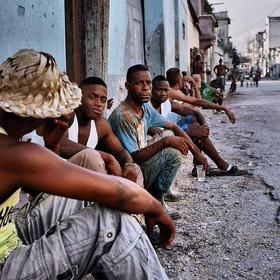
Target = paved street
(230,226)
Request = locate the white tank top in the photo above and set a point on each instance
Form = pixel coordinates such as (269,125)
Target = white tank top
(73,132)
(166,111)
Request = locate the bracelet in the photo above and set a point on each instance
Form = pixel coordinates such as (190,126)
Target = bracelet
(128,164)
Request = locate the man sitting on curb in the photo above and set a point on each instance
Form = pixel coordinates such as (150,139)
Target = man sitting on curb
(174,78)
(91,129)
(131,121)
(193,123)
(99,240)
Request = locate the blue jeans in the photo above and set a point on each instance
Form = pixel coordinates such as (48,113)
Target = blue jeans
(160,170)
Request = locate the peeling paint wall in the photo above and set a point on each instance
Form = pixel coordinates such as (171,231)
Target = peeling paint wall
(37,24)
(154,31)
(169,33)
(183,52)
(167,39)
(126,45)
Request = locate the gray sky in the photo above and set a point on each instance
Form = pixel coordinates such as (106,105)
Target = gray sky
(247,17)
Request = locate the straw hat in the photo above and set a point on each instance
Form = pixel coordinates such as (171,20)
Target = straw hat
(32,86)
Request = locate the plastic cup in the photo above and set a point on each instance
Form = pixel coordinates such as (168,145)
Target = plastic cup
(200,173)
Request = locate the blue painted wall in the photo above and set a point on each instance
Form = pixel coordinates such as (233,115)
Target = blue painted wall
(118,24)
(169,33)
(183,51)
(165,40)
(37,24)
(126,46)
(154,31)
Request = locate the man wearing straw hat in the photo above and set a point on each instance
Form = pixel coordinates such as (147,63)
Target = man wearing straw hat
(98,240)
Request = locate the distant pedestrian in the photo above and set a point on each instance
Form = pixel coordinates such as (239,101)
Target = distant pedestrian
(221,70)
(257,76)
(233,85)
(198,69)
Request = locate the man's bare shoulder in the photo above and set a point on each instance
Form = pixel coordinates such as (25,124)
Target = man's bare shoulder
(18,159)
(20,154)
(103,127)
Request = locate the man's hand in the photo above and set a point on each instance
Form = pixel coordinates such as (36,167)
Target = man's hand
(189,79)
(205,130)
(110,103)
(230,115)
(53,130)
(177,142)
(201,159)
(129,173)
(166,226)
(112,165)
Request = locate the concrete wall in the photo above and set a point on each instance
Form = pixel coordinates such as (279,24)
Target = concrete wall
(169,34)
(37,24)
(198,6)
(116,54)
(154,33)
(192,35)
(126,45)
(183,48)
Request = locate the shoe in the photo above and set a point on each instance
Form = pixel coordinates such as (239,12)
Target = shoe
(174,214)
(194,172)
(155,237)
(172,196)
(233,171)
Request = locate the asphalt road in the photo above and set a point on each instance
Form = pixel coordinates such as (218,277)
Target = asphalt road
(230,227)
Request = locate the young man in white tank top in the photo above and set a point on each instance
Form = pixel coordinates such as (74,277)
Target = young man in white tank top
(90,129)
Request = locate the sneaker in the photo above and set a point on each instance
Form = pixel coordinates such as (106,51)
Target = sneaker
(233,171)
(172,196)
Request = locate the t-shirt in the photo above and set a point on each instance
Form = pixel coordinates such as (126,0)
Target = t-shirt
(207,92)
(8,235)
(131,129)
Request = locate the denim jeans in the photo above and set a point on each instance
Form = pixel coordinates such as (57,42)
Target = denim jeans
(160,170)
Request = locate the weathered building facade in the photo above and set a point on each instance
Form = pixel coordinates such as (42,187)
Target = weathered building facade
(264,49)
(224,46)
(105,37)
